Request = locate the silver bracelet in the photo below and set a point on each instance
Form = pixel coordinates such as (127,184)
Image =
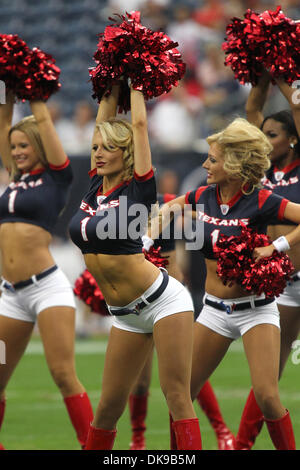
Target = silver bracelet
(281,244)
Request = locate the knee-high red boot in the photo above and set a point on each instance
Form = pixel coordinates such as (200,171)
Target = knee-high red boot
(209,404)
(2,411)
(281,432)
(138,412)
(81,414)
(187,432)
(100,439)
(251,423)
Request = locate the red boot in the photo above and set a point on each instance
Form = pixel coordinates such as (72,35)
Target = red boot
(250,425)
(281,432)
(1,447)
(81,414)
(209,404)
(187,434)
(138,412)
(100,439)
(173,444)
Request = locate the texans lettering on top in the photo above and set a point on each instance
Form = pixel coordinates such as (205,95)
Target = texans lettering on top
(255,210)
(85,225)
(27,200)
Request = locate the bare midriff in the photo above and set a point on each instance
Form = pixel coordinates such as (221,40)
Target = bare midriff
(24,251)
(121,278)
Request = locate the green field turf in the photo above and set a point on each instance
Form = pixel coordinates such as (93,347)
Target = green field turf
(36,417)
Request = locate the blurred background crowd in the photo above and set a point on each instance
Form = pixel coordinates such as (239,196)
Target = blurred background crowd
(206,99)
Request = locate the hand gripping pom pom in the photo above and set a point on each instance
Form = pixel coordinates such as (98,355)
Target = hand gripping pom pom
(270,40)
(87,289)
(153,255)
(30,74)
(236,265)
(129,50)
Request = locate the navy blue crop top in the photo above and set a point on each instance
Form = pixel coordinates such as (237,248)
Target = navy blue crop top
(112,224)
(166,240)
(286,183)
(253,210)
(38,197)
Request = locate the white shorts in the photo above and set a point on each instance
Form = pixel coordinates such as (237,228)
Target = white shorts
(25,304)
(291,294)
(174,299)
(237,323)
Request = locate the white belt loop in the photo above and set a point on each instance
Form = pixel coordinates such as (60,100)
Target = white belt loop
(34,280)
(144,300)
(252,302)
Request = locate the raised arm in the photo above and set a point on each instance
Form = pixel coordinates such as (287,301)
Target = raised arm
(142,152)
(293,97)
(107,109)
(55,153)
(256,100)
(108,105)
(6,114)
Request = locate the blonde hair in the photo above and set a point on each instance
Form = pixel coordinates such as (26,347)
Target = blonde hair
(117,134)
(29,127)
(246,152)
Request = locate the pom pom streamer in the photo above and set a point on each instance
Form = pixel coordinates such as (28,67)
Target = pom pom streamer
(235,264)
(87,289)
(129,50)
(30,73)
(269,39)
(153,255)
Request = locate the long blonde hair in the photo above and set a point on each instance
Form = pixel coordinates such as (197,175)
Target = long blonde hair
(29,126)
(246,152)
(117,134)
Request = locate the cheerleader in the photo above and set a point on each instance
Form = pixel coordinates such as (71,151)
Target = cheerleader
(237,160)
(34,289)
(147,304)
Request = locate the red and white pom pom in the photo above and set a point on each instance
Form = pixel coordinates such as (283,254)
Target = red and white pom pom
(268,276)
(269,39)
(130,50)
(87,289)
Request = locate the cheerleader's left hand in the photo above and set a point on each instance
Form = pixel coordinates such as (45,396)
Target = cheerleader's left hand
(262,252)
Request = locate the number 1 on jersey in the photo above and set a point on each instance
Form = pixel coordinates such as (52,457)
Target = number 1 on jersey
(11,201)
(214,236)
(83,228)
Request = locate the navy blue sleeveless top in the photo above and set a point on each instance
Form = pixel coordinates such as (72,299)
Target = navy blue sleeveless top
(254,210)
(285,183)
(113,223)
(38,197)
